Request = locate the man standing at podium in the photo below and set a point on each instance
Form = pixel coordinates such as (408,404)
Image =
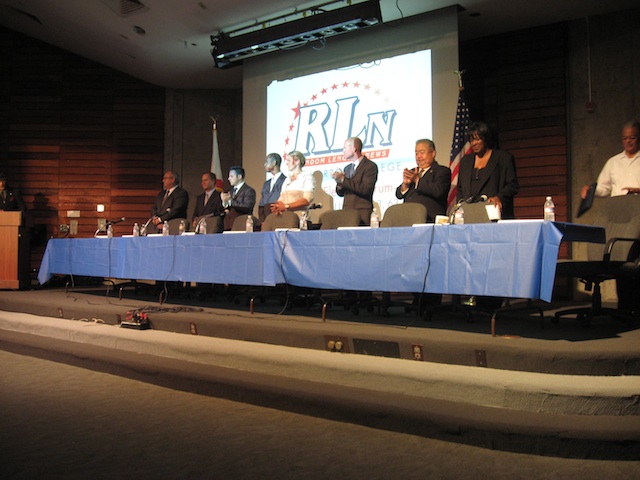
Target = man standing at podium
(10,199)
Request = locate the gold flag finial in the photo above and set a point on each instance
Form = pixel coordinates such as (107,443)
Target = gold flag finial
(459,73)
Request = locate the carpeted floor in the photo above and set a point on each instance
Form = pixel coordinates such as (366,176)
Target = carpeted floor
(63,421)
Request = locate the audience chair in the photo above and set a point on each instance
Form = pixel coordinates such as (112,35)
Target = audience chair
(619,259)
(240,223)
(404,215)
(339,218)
(288,219)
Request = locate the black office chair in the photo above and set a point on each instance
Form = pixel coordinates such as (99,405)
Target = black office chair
(404,215)
(475,213)
(619,259)
(288,295)
(174,225)
(332,220)
(339,218)
(287,219)
(214,224)
(240,223)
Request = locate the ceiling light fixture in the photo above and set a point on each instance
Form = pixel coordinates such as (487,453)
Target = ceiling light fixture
(230,50)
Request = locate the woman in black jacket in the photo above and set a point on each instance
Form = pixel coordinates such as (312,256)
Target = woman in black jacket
(487,173)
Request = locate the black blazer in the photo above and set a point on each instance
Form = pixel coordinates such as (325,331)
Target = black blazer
(213,206)
(269,196)
(432,191)
(500,180)
(174,207)
(358,190)
(242,203)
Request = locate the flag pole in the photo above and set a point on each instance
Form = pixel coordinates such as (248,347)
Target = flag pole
(460,146)
(215,155)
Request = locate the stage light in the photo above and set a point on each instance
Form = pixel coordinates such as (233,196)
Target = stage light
(229,50)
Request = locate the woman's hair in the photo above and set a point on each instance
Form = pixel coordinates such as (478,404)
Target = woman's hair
(481,130)
(299,156)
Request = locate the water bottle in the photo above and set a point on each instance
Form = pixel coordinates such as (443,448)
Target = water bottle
(110,231)
(374,220)
(165,229)
(136,230)
(249,224)
(549,210)
(182,228)
(458,218)
(304,219)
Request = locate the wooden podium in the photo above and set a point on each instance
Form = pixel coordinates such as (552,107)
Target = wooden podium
(14,272)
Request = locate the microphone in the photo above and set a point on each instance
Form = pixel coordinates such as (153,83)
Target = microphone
(113,222)
(314,206)
(483,198)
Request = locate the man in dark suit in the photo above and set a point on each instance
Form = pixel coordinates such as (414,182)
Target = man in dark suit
(171,202)
(358,181)
(240,200)
(272,186)
(428,183)
(209,202)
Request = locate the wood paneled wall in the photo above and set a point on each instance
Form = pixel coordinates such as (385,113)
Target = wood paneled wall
(74,134)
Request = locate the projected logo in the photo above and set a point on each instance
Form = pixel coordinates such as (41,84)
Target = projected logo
(386,103)
(338,111)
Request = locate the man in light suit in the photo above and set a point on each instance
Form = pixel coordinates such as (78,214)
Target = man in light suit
(209,203)
(358,181)
(240,200)
(428,183)
(272,186)
(171,202)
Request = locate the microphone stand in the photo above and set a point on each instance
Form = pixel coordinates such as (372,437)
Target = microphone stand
(143,230)
(202,221)
(452,215)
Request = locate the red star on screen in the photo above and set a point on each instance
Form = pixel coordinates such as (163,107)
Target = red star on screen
(296,110)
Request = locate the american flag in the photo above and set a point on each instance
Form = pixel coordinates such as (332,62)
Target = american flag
(460,145)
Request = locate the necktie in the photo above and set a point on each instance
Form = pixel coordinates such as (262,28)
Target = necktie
(233,194)
(206,198)
(166,195)
(352,171)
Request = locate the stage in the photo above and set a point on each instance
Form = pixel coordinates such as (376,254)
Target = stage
(536,387)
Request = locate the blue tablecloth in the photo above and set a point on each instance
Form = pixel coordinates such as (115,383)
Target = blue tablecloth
(508,259)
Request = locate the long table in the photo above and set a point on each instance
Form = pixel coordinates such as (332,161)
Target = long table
(514,259)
